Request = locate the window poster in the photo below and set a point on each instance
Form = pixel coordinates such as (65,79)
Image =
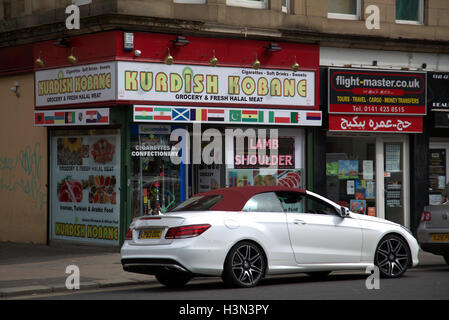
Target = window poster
(85,181)
(348,169)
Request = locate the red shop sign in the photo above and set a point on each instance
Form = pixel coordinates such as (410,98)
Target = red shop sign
(368,123)
(377,92)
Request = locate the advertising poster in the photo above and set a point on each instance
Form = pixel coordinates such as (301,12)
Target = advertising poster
(85,180)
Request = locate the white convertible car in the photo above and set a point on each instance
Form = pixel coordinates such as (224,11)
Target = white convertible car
(243,234)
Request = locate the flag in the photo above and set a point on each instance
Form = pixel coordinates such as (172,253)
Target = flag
(215,115)
(49,119)
(235,115)
(198,114)
(39,118)
(143,113)
(161,113)
(250,116)
(102,118)
(180,114)
(59,117)
(70,117)
(91,116)
(277,117)
(294,117)
(313,115)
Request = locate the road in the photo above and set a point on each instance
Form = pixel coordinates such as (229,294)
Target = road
(429,282)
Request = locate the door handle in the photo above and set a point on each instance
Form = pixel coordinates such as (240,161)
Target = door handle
(297,221)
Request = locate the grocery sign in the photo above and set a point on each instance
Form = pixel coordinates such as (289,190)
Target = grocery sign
(188,84)
(355,91)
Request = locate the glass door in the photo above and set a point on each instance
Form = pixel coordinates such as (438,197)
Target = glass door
(156,183)
(438,172)
(394,152)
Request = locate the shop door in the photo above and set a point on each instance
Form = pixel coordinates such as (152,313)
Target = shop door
(438,175)
(395,196)
(156,183)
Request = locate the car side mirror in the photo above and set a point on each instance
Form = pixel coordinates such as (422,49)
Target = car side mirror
(344,212)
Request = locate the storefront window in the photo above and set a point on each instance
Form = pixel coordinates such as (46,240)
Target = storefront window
(268,161)
(156,184)
(350,173)
(84,185)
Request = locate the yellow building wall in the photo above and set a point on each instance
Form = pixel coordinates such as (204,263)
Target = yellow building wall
(23,164)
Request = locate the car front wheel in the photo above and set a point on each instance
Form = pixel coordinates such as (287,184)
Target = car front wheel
(244,266)
(392,257)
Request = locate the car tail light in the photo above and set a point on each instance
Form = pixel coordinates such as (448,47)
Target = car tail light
(426,216)
(129,234)
(186,231)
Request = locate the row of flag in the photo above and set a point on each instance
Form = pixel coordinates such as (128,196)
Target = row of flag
(232,115)
(71,117)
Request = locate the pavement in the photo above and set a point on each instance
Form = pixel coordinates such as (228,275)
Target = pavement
(31,269)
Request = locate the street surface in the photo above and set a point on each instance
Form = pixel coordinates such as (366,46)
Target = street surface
(430,282)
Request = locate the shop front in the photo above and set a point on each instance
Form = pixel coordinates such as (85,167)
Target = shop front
(438,122)
(137,135)
(372,114)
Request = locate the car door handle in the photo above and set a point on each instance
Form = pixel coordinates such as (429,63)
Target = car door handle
(297,221)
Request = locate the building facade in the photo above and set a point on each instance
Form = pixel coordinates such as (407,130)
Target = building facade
(109,94)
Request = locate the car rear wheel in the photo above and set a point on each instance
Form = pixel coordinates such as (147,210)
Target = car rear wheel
(392,257)
(244,266)
(173,279)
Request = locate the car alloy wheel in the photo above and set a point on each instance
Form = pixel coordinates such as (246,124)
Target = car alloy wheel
(392,257)
(244,265)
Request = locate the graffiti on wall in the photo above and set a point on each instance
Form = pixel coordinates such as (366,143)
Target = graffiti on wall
(23,173)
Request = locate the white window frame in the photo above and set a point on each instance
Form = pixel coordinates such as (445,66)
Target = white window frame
(345,16)
(263,4)
(190,1)
(286,8)
(420,20)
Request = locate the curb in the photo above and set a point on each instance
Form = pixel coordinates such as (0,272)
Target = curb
(84,286)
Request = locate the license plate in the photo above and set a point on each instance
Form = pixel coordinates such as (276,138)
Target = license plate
(150,234)
(440,237)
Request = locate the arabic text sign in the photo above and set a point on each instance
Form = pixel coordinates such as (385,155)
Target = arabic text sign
(214,85)
(80,84)
(364,123)
(376,92)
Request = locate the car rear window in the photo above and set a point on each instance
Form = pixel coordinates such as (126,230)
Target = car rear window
(198,203)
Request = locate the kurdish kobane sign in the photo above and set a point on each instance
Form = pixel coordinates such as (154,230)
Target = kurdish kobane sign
(214,85)
(80,84)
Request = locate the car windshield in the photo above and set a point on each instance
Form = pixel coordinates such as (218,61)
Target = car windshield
(198,203)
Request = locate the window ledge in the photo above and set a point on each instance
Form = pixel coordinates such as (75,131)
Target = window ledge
(343,16)
(414,22)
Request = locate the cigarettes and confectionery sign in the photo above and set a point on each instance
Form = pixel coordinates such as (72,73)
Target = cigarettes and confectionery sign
(359,91)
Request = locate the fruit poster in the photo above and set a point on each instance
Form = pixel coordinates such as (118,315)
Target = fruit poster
(85,180)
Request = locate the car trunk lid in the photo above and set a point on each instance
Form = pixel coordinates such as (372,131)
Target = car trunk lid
(151,230)
(439,216)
